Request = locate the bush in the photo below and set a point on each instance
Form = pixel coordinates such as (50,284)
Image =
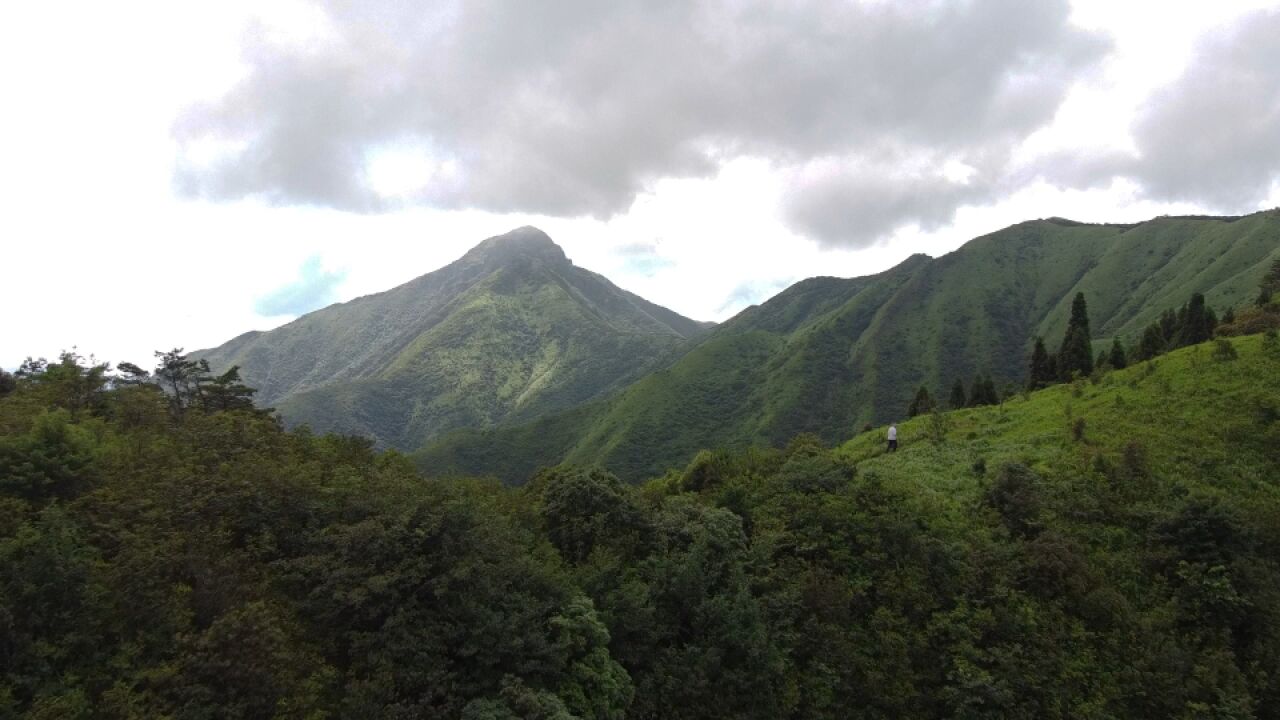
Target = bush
(1077,429)
(1224,351)
(1250,321)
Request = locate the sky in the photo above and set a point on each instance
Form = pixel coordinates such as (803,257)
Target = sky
(173,174)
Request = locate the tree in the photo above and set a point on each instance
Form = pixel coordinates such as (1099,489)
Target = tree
(1270,284)
(7,383)
(989,389)
(958,399)
(226,392)
(129,374)
(183,379)
(1117,358)
(1079,314)
(983,391)
(583,509)
(1041,371)
(1152,342)
(921,404)
(1197,322)
(1075,355)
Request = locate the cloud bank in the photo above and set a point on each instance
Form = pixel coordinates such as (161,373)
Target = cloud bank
(573,107)
(1213,136)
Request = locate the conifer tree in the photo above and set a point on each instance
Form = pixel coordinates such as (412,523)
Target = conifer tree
(1168,327)
(1075,355)
(1152,342)
(1270,284)
(983,391)
(958,399)
(990,395)
(227,392)
(921,404)
(1197,324)
(1117,358)
(1041,371)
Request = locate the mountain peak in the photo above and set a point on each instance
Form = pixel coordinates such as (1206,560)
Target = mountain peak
(523,242)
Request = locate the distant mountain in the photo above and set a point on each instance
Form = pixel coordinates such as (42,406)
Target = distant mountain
(828,355)
(510,332)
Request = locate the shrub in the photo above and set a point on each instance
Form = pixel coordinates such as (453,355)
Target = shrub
(1224,351)
(1077,429)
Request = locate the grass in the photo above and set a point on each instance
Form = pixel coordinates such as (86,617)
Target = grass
(1181,415)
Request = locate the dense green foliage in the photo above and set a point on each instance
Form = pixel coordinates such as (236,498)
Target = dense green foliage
(510,332)
(1104,548)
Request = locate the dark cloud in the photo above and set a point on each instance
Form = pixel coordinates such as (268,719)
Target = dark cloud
(572,107)
(1213,136)
(314,288)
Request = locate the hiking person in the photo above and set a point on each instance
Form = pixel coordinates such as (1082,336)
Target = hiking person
(893,438)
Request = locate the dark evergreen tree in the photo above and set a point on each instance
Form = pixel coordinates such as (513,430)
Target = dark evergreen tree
(1270,284)
(991,395)
(1168,327)
(983,391)
(1229,316)
(182,379)
(226,392)
(1197,325)
(1117,358)
(921,404)
(129,374)
(1079,314)
(1075,355)
(7,383)
(958,399)
(1041,371)
(1152,342)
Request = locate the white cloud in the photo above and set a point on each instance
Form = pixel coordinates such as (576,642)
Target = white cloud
(709,186)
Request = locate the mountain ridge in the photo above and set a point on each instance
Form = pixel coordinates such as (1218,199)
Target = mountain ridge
(829,355)
(512,327)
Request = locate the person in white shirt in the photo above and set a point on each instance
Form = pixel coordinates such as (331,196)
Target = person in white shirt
(893,438)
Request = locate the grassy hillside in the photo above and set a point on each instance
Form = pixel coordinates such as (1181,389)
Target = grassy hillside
(829,355)
(1182,415)
(510,332)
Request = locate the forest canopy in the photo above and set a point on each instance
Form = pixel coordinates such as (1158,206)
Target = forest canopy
(167,550)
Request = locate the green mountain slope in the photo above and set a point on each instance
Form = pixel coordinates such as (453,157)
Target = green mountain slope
(511,331)
(828,355)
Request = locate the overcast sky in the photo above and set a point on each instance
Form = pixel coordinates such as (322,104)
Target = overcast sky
(174,174)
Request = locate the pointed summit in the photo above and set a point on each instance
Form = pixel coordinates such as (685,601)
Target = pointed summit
(523,242)
(510,331)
